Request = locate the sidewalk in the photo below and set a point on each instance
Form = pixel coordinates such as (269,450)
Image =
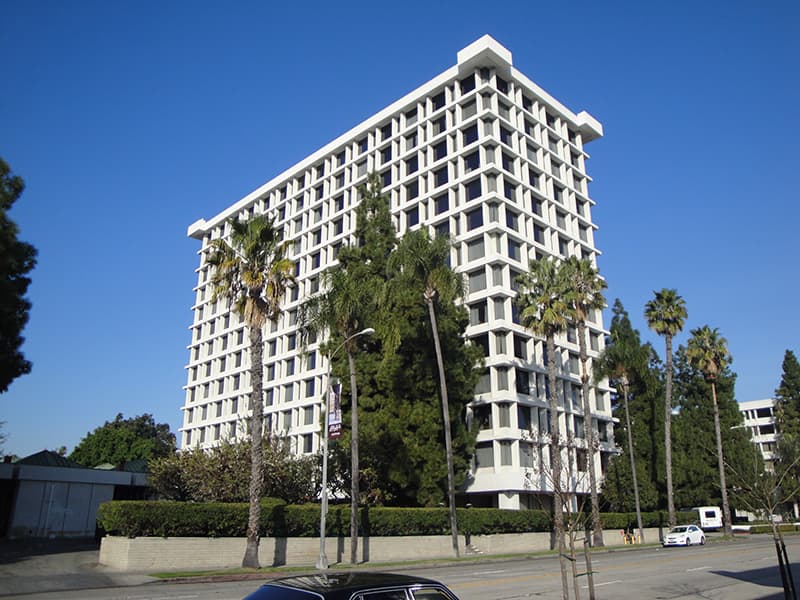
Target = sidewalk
(28,566)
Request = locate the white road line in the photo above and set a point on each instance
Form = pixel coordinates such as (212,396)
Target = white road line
(490,572)
(697,569)
(604,583)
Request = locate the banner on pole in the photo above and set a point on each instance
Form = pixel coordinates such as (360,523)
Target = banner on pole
(335,411)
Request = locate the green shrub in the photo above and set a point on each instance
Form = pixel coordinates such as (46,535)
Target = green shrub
(783,527)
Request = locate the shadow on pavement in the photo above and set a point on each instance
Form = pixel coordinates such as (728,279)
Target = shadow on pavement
(12,551)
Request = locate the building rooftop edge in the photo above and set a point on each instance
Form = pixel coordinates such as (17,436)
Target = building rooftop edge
(485,50)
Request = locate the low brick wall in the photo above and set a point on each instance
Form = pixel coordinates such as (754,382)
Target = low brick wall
(149,554)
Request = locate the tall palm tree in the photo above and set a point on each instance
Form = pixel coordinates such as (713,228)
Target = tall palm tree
(251,270)
(543,310)
(707,351)
(584,294)
(666,314)
(420,258)
(341,312)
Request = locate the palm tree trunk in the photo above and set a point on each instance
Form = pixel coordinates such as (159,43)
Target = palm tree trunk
(668,435)
(250,559)
(726,510)
(588,426)
(354,473)
(448,444)
(633,463)
(555,463)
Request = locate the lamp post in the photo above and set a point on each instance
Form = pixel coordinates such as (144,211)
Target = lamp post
(322,561)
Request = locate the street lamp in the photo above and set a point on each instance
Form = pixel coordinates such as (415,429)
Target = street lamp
(322,561)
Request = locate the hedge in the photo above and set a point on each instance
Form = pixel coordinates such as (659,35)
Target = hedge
(132,518)
(189,519)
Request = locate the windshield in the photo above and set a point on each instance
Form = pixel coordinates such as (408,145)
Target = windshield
(678,530)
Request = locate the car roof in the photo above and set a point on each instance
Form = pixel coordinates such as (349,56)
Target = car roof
(343,585)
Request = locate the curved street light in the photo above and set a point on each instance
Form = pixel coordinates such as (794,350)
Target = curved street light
(322,561)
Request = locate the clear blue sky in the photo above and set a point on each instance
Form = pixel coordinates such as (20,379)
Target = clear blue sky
(130,120)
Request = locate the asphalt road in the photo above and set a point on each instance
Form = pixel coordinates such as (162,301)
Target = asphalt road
(745,568)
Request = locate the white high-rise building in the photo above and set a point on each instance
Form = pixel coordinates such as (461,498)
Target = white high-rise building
(479,152)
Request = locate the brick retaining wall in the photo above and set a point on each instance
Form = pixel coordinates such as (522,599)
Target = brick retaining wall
(150,554)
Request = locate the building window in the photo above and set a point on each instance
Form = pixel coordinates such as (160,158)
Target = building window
(475,249)
(472,162)
(538,234)
(411,141)
(482,342)
(469,109)
(484,455)
(386,178)
(470,135)
(412,190)
(505,136)
(473,189)
(483,416)
(514,250)
(412,217)
(438,101)
(412,165)
(307,442)
(439,125)
(477,313)
(440,176)
(440,150)
(442,203)
(411,117)
(508,163)
(502,85)
(386,154)
(505,453)
(386,132)
(475,218)
(468,84)
(477,281)
(504,414)
(523,384)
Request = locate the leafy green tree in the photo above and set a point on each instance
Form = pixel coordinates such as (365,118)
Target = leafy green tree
(123,440)
(222,473)
(421,258)
(420,261)
(787,396)
(17,259)
(584,294)
(250,269)
(626,362)
(544,310)
(666,314)
(787,418)
(708,352)
(348,305)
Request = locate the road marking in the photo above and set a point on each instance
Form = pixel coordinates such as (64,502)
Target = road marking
(604,583)
(697,569)
(490,572)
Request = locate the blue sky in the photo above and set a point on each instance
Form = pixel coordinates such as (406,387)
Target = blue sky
(131,120)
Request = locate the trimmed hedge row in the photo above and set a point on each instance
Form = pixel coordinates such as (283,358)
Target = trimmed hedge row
(783,527)
(649,519)
(189,519)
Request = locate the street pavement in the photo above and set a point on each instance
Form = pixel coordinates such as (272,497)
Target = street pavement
(28,567)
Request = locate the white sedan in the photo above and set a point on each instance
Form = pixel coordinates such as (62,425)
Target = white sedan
(684,535)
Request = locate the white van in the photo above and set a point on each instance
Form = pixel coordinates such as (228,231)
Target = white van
(709,517)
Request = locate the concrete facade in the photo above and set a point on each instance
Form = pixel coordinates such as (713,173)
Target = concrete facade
(483,154)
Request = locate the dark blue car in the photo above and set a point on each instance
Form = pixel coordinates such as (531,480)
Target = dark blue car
(353,586)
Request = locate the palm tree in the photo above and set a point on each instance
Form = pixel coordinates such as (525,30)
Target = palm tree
(251,270)
(584,294)
(420,258)
(707,351)
(543,310)
(665,315)
(340,311)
